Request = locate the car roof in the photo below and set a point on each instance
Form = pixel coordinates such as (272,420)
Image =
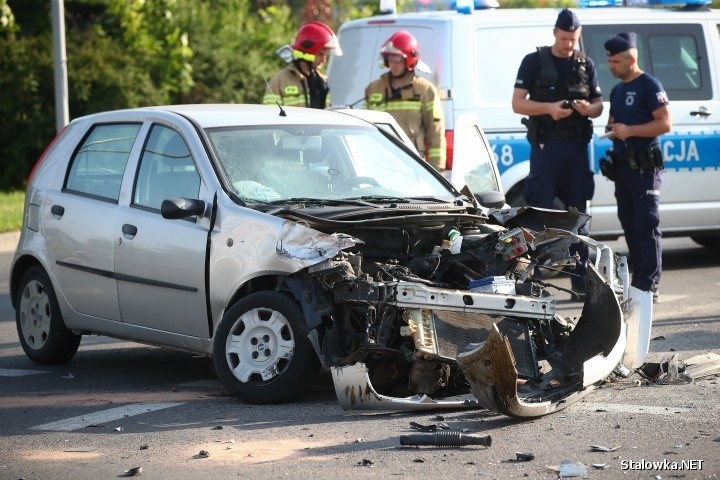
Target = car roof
(224,115)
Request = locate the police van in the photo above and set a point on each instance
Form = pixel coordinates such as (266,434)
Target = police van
(474,54)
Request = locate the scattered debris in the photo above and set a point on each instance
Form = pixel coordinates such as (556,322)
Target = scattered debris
(68,376)
(622,371)
(428,428)
(132,472)
(524,456)
(659,337)
(217,427)
(202,454)
(602,448)
(445,439)
(418,460)
(568,469)
(118,429)
(599,466)
(366,463)
(144,446)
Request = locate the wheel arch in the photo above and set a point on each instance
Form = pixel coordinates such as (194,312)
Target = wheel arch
(20,267)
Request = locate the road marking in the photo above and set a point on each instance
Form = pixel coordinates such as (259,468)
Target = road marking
(16,372)
(627,408)
(98,418)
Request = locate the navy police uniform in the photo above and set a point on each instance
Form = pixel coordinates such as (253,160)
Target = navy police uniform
(638,165)
(559,165)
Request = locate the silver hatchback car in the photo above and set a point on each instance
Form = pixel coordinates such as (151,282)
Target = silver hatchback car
(279,241)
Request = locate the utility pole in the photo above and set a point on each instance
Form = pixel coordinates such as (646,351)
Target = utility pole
(60,61)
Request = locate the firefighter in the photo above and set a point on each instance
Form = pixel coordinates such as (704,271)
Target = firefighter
(412,100)
(300,83)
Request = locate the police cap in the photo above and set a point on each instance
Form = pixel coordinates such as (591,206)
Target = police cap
(620,43)
(567,21)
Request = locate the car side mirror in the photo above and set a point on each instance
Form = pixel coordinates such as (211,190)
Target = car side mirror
(491,199)
(177,208)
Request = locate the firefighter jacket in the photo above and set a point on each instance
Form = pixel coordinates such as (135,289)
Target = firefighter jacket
(416,107)
(290,87)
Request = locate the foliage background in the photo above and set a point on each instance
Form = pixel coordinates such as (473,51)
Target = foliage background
(130,53)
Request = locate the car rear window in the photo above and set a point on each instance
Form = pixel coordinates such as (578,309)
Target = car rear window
(98,165)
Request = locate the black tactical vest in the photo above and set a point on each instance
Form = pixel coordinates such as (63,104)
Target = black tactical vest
(547,88)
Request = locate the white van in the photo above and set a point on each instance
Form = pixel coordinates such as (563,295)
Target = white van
(474,57)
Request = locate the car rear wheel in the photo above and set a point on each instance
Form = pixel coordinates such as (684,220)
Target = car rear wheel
(40,325)
(261,352)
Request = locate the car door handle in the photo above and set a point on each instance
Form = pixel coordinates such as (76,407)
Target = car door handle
(57,211)
(129,231)
(701,112)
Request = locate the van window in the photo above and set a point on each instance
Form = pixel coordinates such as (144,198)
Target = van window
(674,54)
(495,77)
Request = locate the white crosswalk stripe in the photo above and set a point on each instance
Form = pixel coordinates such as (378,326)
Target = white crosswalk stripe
(104,416)
(15,372)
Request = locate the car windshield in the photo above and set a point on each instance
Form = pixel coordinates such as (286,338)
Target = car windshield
(279,163)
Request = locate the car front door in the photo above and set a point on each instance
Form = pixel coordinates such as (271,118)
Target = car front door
(160,263)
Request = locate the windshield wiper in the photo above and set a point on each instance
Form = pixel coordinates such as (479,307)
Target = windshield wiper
(322,201)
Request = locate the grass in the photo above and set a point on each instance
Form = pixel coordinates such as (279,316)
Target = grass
(11,210)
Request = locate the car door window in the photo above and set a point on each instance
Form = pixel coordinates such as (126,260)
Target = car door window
(166,170)
(97,167)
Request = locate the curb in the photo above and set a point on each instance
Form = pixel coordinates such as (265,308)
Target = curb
(9,241)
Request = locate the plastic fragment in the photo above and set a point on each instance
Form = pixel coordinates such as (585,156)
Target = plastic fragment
(132,472)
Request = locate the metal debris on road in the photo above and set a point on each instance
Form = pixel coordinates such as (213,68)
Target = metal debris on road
(132,472)
(524,456)
(602,448)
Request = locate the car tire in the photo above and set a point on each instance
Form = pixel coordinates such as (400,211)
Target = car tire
(261,351)
(40,326)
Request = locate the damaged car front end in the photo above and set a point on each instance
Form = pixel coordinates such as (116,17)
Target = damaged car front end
(475,321)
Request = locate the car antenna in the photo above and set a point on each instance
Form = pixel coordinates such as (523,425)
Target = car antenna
(282,111)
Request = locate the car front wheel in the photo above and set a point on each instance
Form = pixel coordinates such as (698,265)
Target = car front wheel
(40,325)
(261,352)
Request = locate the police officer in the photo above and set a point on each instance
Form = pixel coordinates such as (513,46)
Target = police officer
(300,84)
(638,115)
(412,100)
(557,88)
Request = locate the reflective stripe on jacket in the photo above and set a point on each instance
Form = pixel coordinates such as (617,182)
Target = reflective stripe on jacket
(289,87)
(418,112)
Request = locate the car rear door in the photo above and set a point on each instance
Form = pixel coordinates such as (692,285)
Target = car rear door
(79,220)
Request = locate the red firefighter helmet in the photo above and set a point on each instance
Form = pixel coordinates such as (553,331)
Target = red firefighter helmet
(313,37)
(404,44)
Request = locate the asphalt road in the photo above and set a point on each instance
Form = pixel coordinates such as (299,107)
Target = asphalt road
(119,405)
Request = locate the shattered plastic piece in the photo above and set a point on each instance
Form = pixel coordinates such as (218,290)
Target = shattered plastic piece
(599,466)
(118,429)
(366,463)
(68,376)
(602,448)
(144,446)
(203,454)
(217,427)
(675,373)
(659,337)
(570,469)
(132,472)
(445,439)
(524,456)
(622,371)
(702,365)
